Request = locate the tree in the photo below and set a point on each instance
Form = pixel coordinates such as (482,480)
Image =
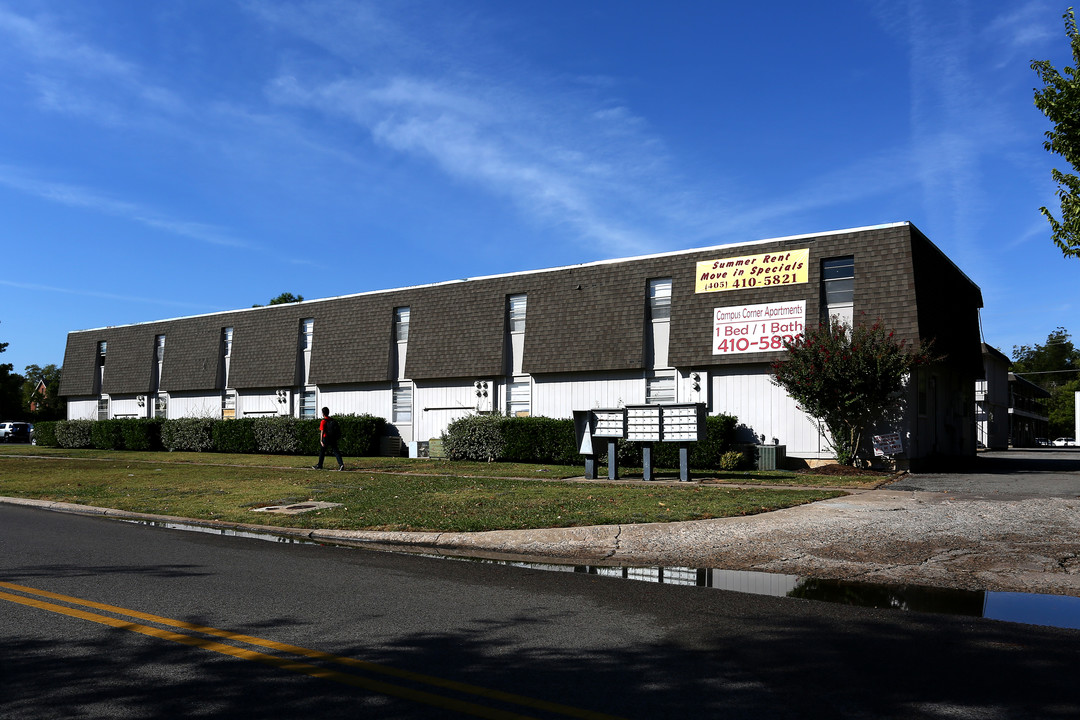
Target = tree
(1059,101)
(10,391)
(1054,366)
(848,379)
(47,405)
(284,298)
(1048,365)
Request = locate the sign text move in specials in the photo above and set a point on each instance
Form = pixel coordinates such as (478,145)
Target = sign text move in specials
(753,271)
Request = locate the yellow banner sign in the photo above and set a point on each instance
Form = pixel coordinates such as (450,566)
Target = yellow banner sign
(753,271)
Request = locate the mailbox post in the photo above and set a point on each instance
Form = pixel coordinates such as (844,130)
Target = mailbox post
(646,424)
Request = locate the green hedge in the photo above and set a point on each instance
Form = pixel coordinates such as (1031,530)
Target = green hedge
(45,433)
(545,440)
(276,435)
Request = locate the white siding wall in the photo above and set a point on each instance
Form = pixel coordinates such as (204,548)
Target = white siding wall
(200,406)
(436,406)
(259,403)
(82,408)
(375,399)
(748,394)
(558,396)
(121,406)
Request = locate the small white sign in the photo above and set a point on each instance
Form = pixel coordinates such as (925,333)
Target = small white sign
(888,444)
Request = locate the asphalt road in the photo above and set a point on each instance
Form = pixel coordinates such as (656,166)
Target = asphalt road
(434,632)
(1007,474)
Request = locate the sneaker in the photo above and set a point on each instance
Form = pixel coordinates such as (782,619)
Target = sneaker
(316,467)
(340,468)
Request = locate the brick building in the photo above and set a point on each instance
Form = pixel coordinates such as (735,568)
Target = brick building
(698,325)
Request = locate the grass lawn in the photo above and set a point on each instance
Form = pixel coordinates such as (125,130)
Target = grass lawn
(387,493)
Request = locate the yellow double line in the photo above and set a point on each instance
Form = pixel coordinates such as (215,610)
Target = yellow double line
(29,596)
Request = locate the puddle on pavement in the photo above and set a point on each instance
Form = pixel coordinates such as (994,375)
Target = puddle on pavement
(1061,611)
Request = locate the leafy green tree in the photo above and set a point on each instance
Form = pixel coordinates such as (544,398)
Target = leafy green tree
(848,379)
(1055,366)
(10,391)
(1059,101)
(284,298)
(1051,364)
(48,404)
(1061,409)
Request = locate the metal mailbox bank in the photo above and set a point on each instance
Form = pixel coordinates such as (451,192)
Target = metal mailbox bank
(683,423)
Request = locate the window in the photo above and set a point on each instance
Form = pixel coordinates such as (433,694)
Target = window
(307,405)
(660,299)
(401,324)
(103,409)
(228,406)
(161,406)
(309,332)
(838,287)
(519,400)
(517,313)
(402,403)
(226,341)
(101,348)
(159,348)
(660,388)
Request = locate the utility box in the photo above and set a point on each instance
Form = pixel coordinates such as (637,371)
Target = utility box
(435,448)
(771,457)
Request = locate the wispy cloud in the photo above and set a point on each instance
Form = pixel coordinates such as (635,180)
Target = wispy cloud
(35,287)
(74,196)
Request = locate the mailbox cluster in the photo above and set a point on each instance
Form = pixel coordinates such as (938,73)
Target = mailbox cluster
(647,424)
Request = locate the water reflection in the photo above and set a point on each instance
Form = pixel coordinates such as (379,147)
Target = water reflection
(1033,609)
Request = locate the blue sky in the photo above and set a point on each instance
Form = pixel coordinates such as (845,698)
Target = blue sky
(167,159)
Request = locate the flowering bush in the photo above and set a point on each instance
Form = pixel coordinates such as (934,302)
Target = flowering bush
(848,378)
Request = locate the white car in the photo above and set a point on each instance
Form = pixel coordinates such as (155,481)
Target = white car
(1065,442)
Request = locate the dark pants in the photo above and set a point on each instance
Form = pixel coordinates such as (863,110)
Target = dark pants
(325,446)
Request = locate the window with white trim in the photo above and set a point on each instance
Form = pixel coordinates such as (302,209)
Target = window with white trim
(402,410)
(518,304)
(401,324)
(660,388)
(660,299)
(103,408)
(838,288)
(519,398)
(307,405)
(309,333)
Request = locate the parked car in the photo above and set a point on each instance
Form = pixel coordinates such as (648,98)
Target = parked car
(1042,442)
(15,432)
(1065,442)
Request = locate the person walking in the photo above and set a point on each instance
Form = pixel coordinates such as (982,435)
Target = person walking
(329,433)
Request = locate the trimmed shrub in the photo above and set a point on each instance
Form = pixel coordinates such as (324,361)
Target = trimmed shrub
(45,433)
(475,437)
(73,433)
(359,434)
(192,434)
(141,434)
(280,435)
(235,436)
(539,440)
(107,435)
(733,460)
